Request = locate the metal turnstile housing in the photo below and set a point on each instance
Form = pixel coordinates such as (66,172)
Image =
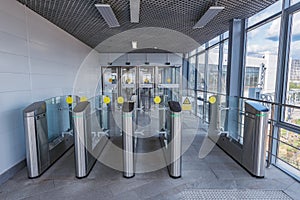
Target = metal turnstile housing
(36,135)
(84,161)
(175,139)
(128,140)
(255,135)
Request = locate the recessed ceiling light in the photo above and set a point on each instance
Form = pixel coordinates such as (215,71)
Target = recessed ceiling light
(208,16)
(135,11)
(134,44)
(155,47)
(108,15)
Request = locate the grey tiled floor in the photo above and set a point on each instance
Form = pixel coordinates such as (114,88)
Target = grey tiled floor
(216,171)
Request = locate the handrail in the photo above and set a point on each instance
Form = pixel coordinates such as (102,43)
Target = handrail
(250,99)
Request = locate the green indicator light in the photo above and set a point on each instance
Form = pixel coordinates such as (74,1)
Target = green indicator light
(261,115)
(77,116)
(127,115)
(175,115)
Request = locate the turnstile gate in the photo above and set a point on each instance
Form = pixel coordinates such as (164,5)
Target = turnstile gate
(43,148)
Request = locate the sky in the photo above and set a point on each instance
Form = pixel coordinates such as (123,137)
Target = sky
(265,38)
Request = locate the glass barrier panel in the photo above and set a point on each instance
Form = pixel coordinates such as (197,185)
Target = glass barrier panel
(59,117)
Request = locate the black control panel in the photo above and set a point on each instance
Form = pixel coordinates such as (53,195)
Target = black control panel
(128,106)
(174,106)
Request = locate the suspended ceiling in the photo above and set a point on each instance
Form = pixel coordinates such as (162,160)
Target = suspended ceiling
(81,19)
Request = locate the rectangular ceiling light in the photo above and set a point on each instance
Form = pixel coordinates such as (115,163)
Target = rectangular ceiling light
(135,11)
(134,44)
(208,16)
(108,15)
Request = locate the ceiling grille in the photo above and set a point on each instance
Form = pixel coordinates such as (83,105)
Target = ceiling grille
(81,19)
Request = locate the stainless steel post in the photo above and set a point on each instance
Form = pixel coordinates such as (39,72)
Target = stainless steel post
(36,136)
(175,142)
(82,131)
(255,135)
(128,141)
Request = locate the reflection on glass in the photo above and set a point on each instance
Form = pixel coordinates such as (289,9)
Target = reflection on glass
(269,11)
(128,79)
(212,70)
(168,80)
(261,61)
(146,87)
(224,67)
(192,72)
(201,72)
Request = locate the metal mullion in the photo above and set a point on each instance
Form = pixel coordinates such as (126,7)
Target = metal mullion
(288,126)
(205,81)
(220,65)
(196,80)
(292,8)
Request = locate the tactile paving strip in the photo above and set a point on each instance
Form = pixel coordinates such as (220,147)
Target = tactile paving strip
(234,194)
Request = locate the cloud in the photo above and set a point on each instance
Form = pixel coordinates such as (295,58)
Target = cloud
(274,29)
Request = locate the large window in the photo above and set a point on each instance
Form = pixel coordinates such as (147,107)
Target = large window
(213,69)
(294,1)
(224,67)
(293,83)
(201,83)
(192,72)
(261,61)
(269,11)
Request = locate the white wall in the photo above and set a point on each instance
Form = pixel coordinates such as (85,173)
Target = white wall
(37,61)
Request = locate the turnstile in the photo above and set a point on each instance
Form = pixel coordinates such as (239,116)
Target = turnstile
(171,140)
(175,139)
(36,135)
(250,152)
(128,139)
(42,150)
(84,161)
(89,138)
(255,135)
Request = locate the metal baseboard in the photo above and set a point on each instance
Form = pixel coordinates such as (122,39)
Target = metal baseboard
(234,149)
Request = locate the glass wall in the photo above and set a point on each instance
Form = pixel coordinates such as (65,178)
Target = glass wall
(266,13)
(213,69)
(224,67)
(192,72)
(261,60)
(201,72)
(271,73)
(292,96)
(210,74)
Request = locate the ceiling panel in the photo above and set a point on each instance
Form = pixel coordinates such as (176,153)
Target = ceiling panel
(81,19)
